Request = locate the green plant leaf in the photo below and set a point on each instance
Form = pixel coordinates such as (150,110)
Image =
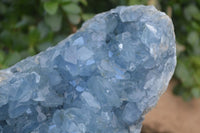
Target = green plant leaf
(25,20)
(2,56)
(195,25)
(196,77)
(43,29)
(87,16)
(71,8)
(12,59)
(84,2)
(193,38)
(196,92)
(66,0)
(51,7)
(2,8)
(44,46)
(195,61)
(34,35)
(183,73)
(31,50)
(24,54)
(186,96)
(197,16)
(133,2)
(191,11)
(74,18)
(6,37)
(54,21)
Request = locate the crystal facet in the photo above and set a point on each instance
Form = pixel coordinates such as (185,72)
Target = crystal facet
(102,79)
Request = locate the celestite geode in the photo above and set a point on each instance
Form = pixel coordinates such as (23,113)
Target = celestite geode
(102,79)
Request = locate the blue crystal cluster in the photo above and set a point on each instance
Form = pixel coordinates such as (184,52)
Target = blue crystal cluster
(102,79)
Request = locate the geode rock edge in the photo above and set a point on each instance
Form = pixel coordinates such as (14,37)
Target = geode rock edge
(102,79)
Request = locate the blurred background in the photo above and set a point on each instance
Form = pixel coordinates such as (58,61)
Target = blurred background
(30,26)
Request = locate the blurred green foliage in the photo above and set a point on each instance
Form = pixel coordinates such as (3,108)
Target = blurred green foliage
(30,26)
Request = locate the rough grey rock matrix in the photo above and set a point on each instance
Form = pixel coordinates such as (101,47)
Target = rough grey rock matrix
(102,79)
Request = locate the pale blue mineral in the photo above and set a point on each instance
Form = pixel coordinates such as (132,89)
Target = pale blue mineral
(102,79)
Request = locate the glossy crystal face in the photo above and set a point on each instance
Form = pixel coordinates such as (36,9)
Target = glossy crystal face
(102,79)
